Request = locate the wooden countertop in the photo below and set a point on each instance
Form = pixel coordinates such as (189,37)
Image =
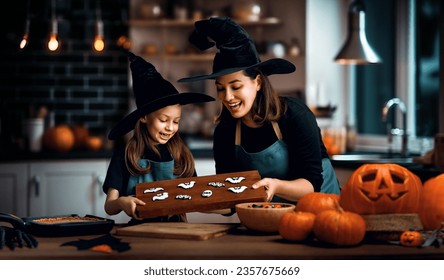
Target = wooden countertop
(238,244)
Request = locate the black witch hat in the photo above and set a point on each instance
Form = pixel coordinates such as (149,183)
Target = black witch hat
(236,49)
(151,92)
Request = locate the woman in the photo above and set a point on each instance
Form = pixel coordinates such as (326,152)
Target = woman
(257,129)
(155,151)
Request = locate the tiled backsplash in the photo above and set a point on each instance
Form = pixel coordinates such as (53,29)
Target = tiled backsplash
(76,84)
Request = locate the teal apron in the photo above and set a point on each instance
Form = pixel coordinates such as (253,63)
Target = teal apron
(159,171)
(272,162)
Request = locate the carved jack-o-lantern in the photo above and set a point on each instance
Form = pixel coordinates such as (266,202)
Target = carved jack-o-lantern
(381,189)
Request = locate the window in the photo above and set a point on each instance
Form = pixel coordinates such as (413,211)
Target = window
(406,36)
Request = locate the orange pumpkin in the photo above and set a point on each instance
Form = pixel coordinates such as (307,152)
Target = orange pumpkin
(339,227)
(381,189)
(296,226)
(59,138)
(316,202)
(81,133)
(411,238)
(431,209)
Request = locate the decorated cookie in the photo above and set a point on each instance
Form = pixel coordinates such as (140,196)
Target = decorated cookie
(183,196)
(216,184)
(160,196)
(153,190)
(207,193)
(235,180)
(187,185)
(238,189)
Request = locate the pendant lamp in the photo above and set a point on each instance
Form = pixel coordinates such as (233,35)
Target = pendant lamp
(356,49)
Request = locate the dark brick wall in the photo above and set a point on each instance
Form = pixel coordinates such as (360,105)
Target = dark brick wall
(77,84)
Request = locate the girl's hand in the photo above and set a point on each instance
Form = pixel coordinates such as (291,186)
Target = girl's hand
(129,203)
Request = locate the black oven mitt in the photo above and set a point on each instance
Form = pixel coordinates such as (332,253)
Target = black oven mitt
(107,240)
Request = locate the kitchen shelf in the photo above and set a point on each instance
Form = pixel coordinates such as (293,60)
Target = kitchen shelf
(189,23)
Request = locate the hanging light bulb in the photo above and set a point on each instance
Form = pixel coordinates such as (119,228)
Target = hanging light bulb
(53,43)
(99,42)
(25,39)
(356,49)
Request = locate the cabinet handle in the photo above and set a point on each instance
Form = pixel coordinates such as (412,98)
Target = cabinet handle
(36,180)
(100,180)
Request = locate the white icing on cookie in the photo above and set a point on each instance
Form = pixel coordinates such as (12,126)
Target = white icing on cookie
(238,189)
(216,184)
(183,196)
(153,190)
(160,196)
(188,185)
(235,180)
(207,193)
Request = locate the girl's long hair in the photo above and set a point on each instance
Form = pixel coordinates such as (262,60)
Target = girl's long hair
(141,141)
(267,106)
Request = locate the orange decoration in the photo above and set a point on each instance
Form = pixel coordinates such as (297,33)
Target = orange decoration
(59,138)
(80,134)
(339,227)
(431,209)
(316,202)
(411,238)
(93,143)
(103,248)
(381,189)
(296,226)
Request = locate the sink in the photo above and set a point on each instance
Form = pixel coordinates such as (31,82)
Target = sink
(373,158)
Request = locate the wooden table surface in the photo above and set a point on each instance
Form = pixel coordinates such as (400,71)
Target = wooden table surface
(238,244)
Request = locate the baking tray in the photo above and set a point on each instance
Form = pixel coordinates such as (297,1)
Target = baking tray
(90,225)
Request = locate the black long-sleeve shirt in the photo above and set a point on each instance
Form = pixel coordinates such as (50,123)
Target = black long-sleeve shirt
(300,132)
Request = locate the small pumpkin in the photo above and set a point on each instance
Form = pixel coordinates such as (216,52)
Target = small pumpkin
(431,209)
(296,225)
(411,238)
(316,202)
(81,133)
(339,227)
(381,188)
(59,138)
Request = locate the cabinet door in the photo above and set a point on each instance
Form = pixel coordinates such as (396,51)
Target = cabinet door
(67,187)
(13,186)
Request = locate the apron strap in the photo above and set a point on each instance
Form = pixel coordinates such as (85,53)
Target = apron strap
(275,125)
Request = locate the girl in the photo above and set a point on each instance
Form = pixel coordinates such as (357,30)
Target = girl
(258,129)
(155,151)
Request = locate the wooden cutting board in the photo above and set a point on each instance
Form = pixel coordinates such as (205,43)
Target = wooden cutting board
(221,198)
(179,230)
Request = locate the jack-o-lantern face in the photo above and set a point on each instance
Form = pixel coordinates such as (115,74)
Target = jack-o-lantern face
(411,238)
(381,189)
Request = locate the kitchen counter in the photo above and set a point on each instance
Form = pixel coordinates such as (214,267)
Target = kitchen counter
(238,244)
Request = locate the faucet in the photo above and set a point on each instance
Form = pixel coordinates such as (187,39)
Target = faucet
(391,129)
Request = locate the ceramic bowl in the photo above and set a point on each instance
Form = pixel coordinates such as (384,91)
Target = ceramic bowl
(262,216)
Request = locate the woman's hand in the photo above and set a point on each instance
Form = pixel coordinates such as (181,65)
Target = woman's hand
(290,190)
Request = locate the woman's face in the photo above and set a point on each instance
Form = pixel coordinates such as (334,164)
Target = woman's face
(237,92)
(163,123)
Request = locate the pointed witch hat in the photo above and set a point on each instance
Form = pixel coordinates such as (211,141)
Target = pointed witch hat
(236,49)
(151,92)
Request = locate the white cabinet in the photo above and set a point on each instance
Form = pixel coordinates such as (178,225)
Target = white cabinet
(67,187)
(13,188)
(55,187)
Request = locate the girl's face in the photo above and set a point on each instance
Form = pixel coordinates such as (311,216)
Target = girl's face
(163,123)
(237,92)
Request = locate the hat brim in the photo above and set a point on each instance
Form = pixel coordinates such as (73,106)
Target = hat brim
(268,67)
(128,122)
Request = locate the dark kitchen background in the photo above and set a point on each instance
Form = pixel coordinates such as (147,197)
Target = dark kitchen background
(75,84)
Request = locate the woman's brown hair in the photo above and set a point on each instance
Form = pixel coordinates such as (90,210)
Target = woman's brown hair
(141,140)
